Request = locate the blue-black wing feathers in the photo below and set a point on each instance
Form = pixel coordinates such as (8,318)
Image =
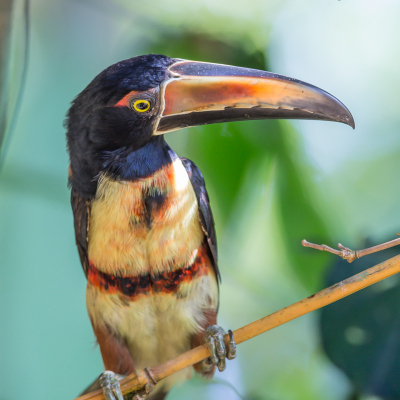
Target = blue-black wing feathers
(205,214)
(81,209)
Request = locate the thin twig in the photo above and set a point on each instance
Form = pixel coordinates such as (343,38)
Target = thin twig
(351,255)
(327,296)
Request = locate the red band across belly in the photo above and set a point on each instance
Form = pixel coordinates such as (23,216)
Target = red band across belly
(165,282)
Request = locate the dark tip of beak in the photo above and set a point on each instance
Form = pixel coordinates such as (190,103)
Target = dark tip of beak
(351,122)
(342,115)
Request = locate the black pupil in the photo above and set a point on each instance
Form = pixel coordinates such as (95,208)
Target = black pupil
(142,106)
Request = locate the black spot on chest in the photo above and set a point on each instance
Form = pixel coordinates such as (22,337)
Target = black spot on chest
(153,203)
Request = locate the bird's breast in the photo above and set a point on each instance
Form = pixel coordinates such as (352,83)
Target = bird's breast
(145,227)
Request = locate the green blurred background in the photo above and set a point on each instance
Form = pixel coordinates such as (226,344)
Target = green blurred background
(271,184)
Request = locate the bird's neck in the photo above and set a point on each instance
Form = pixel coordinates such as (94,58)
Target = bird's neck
(130,165)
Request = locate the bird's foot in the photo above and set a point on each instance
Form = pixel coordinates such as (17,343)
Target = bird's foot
(214,338)
(109,383)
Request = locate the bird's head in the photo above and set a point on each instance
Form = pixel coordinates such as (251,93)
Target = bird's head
(132,102)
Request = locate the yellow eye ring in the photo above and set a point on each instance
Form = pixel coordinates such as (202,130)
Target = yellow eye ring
(141,105)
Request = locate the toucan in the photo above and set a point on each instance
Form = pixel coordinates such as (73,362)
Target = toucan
(143,223)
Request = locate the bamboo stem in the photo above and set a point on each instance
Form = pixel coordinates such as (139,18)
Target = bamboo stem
(311,303)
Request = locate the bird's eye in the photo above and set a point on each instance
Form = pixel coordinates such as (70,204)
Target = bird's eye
(141,105)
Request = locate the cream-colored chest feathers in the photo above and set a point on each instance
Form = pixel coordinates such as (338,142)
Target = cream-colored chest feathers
(147,226)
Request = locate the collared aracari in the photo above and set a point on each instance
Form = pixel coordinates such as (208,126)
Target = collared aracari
(143,224)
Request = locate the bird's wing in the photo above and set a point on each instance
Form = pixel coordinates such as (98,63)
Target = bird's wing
(205,214)
(81,209)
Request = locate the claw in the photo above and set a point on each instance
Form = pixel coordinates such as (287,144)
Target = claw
(232,347)
(214,338)
(109,382)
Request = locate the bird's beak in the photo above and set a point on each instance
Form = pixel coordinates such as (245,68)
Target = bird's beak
(200,93)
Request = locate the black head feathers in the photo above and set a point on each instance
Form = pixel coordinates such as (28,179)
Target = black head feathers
(95,128)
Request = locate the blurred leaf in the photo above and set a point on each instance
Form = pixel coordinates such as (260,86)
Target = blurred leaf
(205,47)
(360,333)
(14,31)
(299,217)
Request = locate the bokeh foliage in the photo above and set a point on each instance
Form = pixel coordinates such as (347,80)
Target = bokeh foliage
(360,332)
(271,183)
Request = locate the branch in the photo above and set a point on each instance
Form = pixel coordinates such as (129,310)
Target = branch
(348,254)
(327,296)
